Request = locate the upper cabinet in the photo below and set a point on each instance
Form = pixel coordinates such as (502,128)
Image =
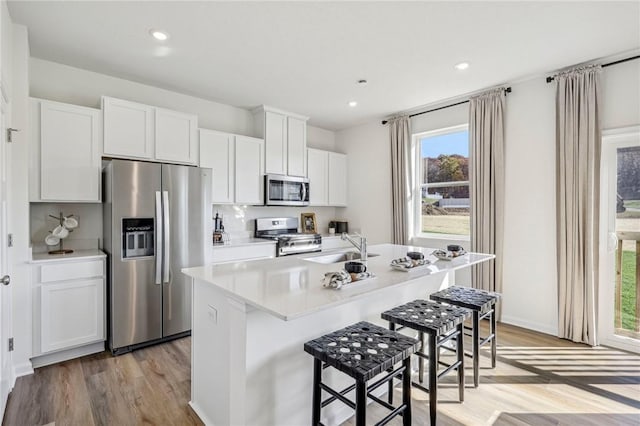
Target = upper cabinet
(327,178)
(285,139)
(138,131)
(238,167)
(66,145)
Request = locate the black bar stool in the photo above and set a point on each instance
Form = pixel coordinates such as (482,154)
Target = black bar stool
(442,324)
(482,303)
(362,351)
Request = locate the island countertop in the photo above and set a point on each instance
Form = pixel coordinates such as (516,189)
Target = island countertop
(291,287)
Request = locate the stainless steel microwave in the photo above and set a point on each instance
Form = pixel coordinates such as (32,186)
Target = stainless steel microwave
(281,190)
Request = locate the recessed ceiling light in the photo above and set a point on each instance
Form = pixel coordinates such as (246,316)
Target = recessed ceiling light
(353,104)
(462,66)
(159,35)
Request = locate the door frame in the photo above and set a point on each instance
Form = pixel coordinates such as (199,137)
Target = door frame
(611,140)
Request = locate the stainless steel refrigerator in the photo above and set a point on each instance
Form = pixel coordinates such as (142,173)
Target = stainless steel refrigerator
(154,221)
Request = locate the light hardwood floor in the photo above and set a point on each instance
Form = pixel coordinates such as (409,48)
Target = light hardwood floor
(539,380)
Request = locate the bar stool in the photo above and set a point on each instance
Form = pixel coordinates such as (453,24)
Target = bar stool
(482,304)
(442,324)
(362,351)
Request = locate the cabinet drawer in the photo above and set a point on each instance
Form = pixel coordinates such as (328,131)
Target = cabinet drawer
(71,271)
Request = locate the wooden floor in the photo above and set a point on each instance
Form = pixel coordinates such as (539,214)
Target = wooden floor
(539,380)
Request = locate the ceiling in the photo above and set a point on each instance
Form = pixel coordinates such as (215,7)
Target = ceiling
(306,57)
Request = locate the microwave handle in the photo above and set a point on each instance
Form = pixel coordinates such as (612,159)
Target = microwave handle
(304,191)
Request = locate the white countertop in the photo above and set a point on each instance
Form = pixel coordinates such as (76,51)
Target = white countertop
(76,255)
(291,287)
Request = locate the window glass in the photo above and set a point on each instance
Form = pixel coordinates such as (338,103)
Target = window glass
(444,183)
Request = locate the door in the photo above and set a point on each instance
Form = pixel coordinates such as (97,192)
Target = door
(6,328)
(135,281)
(185,195)
(275,140)
(176,135)
(318,169)
(296,147)
(248,172)
(619,319)
(128,129)
(216,153)
(337,179)
(70,161)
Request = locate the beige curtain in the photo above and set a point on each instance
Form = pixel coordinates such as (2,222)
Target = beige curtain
(578,176)
(400,136)
(486,139)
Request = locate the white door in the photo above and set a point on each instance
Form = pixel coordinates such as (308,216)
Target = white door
(216,153)
(275,139)
(296,147)
(176,136)
(318,173)
(5,289)
(619,290)
(128,129)
(249,172)
(337,179)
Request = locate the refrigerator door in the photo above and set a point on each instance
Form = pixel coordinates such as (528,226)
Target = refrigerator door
(185,195)
(135,298)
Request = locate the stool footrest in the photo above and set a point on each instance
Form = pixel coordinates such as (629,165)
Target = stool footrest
(486,314)
(342,392)
(385,379)
(449,368)
(397,411)
(338,396)
(487,339)
(381,402)
(420,386)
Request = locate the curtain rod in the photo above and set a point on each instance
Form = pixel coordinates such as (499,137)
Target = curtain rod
(550,79)
(508,90)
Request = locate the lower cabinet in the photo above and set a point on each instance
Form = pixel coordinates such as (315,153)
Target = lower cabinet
(69,307)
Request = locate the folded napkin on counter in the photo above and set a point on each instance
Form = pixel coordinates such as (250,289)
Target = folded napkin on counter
(407,262)
(336,280)
(444,254)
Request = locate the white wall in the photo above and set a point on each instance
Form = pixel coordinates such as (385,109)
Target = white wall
(530,284)
(369,180)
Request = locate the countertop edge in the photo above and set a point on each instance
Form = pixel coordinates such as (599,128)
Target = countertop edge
(76,255)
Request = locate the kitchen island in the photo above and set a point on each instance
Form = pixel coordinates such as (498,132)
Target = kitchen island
(250,320)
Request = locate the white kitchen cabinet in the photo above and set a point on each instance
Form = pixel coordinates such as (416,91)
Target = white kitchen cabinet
(327,178)
(68,308)
(249,171)
(138,131)
(65,144)
(237,164)
(176,137)
(128,129)
(318,171)
(285,139)
(337,179)
(296,147)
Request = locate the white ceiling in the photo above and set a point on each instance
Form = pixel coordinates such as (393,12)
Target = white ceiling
(307,56)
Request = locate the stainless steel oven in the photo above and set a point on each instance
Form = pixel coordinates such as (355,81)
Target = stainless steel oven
(281,190)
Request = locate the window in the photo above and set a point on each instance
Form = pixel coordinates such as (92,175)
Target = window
(443,206)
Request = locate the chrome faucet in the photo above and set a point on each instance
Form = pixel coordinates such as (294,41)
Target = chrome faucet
(361,245)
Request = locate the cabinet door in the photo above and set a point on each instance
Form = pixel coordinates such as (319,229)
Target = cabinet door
(216,153)
(275,140)
(318,172)
(72,314)
(296,147)
(337,179)
(249,173)
(128,129)
(69,153)
(176,135)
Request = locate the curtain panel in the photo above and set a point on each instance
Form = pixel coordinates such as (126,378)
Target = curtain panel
(486,139)
(578,144)
(401,176)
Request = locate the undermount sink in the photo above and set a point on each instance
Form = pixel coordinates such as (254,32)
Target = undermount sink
(338,257)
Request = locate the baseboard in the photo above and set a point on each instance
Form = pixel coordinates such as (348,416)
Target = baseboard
(42,360)
(542,328)
(196,409)
(24,369)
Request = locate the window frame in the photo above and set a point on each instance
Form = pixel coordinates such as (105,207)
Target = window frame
(417,184)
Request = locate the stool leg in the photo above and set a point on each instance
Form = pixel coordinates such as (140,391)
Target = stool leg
(406,392)
(317,392)
(494,341)
(476,348)
(361,403)
(421,360)
(392,327)
(460,353)
(433,379)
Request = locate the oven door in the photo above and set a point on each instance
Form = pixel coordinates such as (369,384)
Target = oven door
(286,190)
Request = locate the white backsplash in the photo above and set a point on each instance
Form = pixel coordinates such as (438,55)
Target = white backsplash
(239,220)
